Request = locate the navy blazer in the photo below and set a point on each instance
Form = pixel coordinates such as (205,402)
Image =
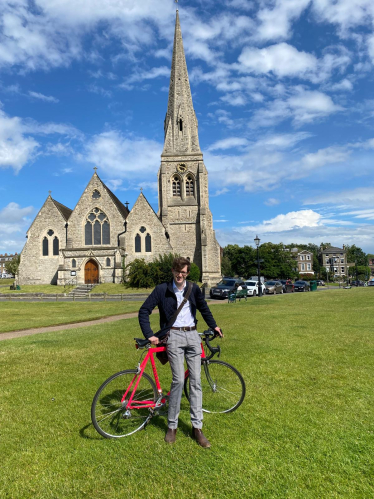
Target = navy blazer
(164,297)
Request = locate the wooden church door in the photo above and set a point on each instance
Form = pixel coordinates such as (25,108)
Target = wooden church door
(91,272)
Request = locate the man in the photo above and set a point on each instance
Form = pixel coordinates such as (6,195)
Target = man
(183,342)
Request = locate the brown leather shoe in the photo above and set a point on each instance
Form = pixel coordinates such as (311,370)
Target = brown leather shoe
(200,438)
(170,436)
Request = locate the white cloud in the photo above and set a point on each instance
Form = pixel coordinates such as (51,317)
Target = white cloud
(281,59)
(123,156)
(235,99)
(287,222)
(272,202)
(16,149)
(45,98)
(229,143)
(139,76)
(13,225)
(220,192)
(362,196)
(303,107)
(275,23)
(13,213)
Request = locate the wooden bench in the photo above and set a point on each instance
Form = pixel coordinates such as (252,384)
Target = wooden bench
(237,295)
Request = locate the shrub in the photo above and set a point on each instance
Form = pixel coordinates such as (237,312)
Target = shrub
(140,274)
(194,273)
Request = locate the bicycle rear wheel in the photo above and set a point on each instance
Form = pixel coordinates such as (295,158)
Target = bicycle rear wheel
(111,417)
(223,387)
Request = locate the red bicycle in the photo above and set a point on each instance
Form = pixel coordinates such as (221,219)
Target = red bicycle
(126,402)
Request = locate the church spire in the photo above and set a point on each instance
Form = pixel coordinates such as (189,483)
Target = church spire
(181,136)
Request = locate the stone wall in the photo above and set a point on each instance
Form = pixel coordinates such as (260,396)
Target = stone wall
(34,267)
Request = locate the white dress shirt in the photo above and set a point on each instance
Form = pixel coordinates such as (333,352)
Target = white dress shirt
(185,317)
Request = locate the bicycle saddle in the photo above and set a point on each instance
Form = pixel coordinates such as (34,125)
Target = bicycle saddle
(142,342)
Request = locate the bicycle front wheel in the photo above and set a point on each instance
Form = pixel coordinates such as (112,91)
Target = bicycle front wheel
(111,416)
(223,387)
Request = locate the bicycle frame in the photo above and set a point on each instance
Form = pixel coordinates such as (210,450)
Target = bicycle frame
(150,404)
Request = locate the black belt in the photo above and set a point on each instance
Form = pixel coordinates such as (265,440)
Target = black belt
(187,328)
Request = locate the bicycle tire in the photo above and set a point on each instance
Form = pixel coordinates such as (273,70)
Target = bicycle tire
(223,387)
(109,415)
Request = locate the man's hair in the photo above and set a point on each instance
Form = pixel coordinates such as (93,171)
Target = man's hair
(181,262)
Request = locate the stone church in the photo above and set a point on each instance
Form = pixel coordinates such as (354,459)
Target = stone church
(88,244)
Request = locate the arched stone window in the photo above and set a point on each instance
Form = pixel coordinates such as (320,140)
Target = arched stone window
(108,262)
(138,244)
(97,228)
(56,246)
(148,244)
(176,186)
(190,186)
(45,246)
(73,263)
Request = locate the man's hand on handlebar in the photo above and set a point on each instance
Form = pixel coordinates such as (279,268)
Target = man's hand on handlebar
(218,330)
(154,340)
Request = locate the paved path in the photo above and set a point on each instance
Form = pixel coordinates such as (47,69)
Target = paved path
(61,327)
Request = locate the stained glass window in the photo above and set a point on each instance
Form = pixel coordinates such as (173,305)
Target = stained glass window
(96,194)
(56,246)
(45,246)
(50,232)
(73,263)
(97,228)
(88,233)
(108,262)
(148,243)
(138,244)
(142,229)
(106,232)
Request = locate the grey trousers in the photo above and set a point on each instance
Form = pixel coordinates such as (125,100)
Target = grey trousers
(181,345)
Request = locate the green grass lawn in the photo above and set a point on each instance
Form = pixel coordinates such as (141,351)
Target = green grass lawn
(305,429)
(37,288)
(19,315)
(113,289)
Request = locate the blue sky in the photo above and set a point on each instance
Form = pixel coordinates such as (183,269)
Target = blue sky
(283,91)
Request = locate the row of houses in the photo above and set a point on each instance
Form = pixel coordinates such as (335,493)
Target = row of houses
(333,259)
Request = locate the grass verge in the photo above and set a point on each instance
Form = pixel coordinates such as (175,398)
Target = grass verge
(305,429)
(19,315)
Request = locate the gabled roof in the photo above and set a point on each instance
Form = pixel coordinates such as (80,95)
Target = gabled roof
(333,249)
(64,210)
(121,207)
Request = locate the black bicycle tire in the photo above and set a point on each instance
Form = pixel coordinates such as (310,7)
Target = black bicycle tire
(205,364)
(100,390)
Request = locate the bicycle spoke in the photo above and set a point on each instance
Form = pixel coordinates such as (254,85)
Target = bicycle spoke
(111,417)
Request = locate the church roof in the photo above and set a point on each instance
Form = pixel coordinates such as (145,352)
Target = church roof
(181,135)
(121,207)
(64,210)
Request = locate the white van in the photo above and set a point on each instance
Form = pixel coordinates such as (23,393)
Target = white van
(252,287)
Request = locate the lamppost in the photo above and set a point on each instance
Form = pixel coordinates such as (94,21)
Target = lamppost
(257,242)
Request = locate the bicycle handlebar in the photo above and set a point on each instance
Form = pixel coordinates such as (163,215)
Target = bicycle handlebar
(213,350)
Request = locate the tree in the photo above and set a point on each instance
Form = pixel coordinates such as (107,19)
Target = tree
(226,268)
(356,255)
(12,266)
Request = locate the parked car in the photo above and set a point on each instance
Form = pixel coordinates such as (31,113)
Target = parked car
(302,286)
(273,287)
(320,283)
(370,283)
(226,286)
(252,288)
(357,283)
